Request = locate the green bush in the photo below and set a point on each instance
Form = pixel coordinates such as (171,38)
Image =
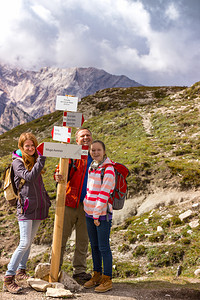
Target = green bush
(156,237)
(125,269)
(123,248)
(164,256)
(139,250)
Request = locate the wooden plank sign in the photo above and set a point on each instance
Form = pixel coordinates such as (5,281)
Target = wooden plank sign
(63,150)
(61,134)
(66,103)
(72,119)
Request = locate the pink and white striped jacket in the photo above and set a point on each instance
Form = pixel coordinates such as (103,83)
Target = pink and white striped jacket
(96,199)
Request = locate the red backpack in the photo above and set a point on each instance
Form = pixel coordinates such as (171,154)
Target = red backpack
(119,194)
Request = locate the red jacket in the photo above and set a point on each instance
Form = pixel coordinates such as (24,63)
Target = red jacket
(77,170)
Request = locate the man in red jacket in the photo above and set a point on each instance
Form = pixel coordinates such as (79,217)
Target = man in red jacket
(74,217)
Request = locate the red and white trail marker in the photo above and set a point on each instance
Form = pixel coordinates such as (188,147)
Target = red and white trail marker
(61,134)
(66,103)
(72,119)
(63,150)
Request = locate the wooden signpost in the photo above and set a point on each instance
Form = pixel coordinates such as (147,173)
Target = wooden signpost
(59,221)
(64,152)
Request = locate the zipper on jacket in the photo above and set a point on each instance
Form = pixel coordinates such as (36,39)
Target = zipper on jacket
(82,180)
(41,206)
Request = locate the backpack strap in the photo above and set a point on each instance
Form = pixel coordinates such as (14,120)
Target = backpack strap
(21,183)
(103,171)
(102,175)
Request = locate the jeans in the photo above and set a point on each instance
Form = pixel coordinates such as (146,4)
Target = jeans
(99,241)
(28,230)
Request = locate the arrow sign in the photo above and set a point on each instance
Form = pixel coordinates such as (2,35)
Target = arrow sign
(61,134)
(68,103)
(72,119)
(63,150)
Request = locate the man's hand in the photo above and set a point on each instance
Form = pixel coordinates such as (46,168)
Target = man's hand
(58,177)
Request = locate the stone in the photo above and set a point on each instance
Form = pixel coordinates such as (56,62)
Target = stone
(168,216)
(197,272)
(195,206)
(57,285)
(194,224)
(189,231)
(58,293)
(38,284)
(185,215)
(69,283)
(159,229)
(42,271)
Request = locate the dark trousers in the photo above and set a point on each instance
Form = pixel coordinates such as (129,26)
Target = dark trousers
(100,245)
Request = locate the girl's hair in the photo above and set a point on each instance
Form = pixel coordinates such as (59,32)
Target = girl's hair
(29,161)
(100,142)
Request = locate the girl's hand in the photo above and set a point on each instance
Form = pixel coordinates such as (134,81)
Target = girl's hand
(96,222)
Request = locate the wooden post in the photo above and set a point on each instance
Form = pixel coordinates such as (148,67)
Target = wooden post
(59,220)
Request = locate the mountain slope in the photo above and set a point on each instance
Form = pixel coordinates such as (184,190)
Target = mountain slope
(154,131)
(35,92)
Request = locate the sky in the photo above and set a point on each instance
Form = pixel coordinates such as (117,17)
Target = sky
(154,42)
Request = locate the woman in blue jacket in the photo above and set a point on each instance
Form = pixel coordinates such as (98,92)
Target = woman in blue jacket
(31,209)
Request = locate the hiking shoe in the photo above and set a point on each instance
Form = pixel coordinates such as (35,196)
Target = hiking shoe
(81,278)
(105,285)
(94,281)
(9,285)
(21,277)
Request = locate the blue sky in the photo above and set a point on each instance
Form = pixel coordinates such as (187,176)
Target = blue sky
(155,42)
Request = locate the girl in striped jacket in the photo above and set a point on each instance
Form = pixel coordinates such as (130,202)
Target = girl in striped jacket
(96,209)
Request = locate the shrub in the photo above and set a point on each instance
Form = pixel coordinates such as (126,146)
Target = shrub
(125,269)
(123,248)
(165,256)
(130,236)
(176,220)
(157,237)
(166,224)
(139,250)
(175,237)
(185,241)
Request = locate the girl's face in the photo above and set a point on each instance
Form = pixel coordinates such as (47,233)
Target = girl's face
(97,152)
(29,147)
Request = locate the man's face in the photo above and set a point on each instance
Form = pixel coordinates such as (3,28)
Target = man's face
(84,138)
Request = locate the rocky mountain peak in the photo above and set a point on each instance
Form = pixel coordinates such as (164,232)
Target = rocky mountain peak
(34,93)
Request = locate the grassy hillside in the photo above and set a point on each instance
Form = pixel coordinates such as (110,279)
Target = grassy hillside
(155,132)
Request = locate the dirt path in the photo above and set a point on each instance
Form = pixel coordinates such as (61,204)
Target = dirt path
(123,291)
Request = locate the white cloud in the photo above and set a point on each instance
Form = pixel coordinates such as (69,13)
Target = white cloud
(150,44)
(44,14)
(172,12)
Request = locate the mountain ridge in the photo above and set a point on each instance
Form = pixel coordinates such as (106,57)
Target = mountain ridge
(34,93)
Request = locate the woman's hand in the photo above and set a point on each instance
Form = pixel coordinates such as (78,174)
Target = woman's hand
(58,177)
(96,222)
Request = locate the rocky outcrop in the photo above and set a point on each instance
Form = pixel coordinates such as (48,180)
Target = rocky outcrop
(13,116)
(33,94)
